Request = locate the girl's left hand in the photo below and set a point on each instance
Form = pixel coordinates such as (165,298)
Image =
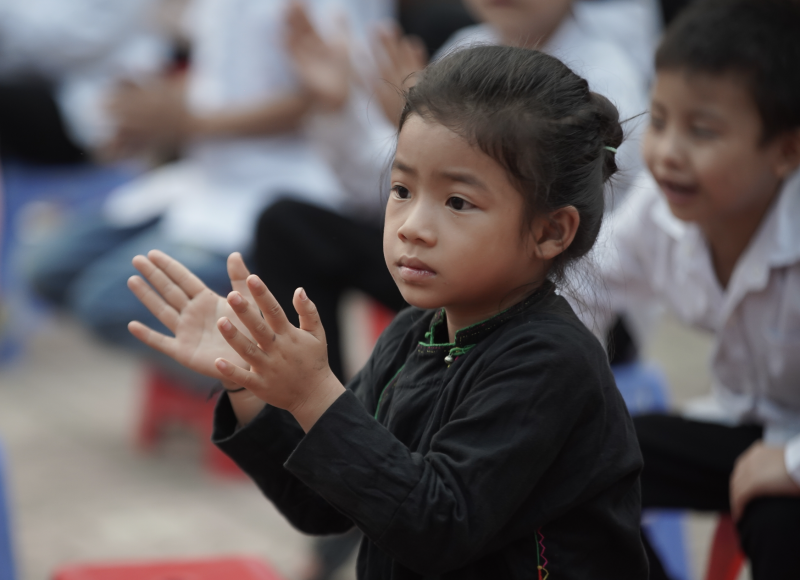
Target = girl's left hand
(288,365)
(759,471)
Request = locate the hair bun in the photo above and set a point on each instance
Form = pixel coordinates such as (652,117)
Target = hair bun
(610,132)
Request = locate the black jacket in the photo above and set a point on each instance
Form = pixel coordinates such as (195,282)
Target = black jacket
(518,460)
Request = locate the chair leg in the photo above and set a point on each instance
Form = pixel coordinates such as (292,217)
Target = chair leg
(726,558)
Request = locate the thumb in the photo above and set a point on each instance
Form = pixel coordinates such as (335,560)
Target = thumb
(309,316)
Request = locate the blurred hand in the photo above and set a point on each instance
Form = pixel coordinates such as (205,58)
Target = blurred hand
(759,471)
(398,58)
(151,115)
(323,67)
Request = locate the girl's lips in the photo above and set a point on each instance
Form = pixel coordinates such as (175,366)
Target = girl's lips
(413,270)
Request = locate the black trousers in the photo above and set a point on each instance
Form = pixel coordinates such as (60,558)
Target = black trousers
(31,127)
(688,464)
(298,244)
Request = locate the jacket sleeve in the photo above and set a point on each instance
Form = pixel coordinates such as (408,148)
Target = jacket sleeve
(437,512)
(262,446)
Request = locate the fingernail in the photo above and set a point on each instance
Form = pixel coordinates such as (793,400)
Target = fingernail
(222,365)
(235,298)
(226,324)
(303,295)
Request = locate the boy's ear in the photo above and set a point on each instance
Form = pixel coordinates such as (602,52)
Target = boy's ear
(552,233)
(788,153)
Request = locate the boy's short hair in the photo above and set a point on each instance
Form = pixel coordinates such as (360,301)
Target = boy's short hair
(757,39)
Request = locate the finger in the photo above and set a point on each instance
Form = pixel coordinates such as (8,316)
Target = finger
(273,313)
(249,315)
(238,273)
(309,316)
(169,291)
(236,374)
(178,273)
(160,342)
(154,303)
(245,347)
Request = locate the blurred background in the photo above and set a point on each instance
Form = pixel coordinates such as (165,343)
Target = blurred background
(119,120)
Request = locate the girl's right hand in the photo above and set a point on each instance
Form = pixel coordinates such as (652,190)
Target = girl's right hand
(189,309)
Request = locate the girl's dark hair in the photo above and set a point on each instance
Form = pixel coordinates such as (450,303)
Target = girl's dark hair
(537,119)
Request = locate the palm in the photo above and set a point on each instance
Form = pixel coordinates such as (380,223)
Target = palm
(189,309)
(198,342)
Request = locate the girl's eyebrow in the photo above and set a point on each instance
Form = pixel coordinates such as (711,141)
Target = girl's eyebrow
(463,177)
(400,166)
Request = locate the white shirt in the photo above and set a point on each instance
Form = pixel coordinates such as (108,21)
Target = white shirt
(605,66)
(646,254)
(85,47)
(213,197)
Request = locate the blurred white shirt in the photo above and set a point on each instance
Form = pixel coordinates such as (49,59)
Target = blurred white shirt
(647,255)
(84,47)
(213,197)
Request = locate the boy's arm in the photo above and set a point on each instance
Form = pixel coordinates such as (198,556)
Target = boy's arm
(765,471)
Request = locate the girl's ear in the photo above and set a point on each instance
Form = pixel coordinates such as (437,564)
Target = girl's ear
(552,233)
(788,154)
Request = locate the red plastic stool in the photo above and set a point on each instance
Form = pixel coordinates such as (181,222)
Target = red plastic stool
(167,402)
(242,568)
(726,558)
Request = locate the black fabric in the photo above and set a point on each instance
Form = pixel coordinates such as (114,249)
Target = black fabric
(688,464)
(298,244)
(31,127)
(520,451)
(434,21)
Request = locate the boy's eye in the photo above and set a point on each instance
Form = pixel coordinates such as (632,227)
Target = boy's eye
(401,192)
(703,132)
(656,123)
(458,203)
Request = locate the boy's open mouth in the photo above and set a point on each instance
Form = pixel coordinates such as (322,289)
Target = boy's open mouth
(677,192)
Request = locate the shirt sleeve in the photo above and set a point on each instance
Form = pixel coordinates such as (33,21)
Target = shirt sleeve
(792,458)
(438,511)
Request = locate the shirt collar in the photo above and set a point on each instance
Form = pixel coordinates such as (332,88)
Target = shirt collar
(472,335)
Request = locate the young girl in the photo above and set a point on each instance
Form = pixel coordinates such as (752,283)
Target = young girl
(485,437)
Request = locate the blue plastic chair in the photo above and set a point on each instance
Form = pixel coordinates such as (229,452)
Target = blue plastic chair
(6,551)
(70,188)
(644,388)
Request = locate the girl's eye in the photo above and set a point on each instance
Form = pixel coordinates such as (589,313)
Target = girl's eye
(401,192)
(459,203)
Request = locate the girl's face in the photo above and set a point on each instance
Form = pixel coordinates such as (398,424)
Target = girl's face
(526,23)
(452,233)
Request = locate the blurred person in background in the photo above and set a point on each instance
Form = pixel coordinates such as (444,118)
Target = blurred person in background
(713,234)
(59,61)
(237,120)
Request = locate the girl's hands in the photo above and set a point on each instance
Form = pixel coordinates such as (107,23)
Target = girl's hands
(288,365)
(188,308)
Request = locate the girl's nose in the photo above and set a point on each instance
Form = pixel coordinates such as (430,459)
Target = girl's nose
(417,227)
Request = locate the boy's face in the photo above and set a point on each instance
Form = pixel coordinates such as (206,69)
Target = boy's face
(704,147)
(452,232)
(521,22)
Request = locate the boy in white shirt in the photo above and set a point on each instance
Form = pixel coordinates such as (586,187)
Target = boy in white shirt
(714,235)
